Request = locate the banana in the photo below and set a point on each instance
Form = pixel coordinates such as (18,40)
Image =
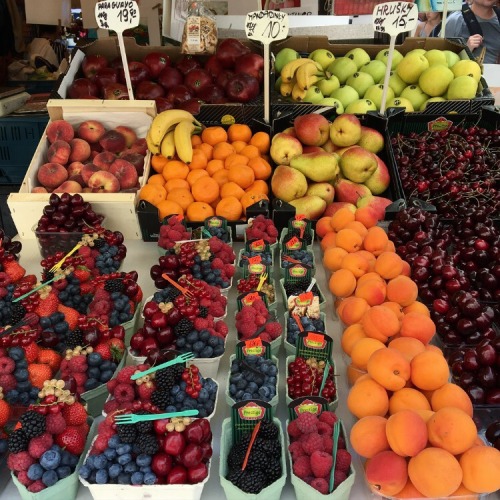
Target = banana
(182,139)
(291,67)
(298,93)
(151,146)
(168,145)
(308,74)
(286,88)
(165,121)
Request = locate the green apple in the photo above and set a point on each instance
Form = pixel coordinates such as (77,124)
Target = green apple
(400,102)
(323,57)
(360,82)
(415,95)
(434,80)
(359,56)
(334,103)
(411,67)
(283,57)
(432,99)
(451,57)
(328,85)
(361,107)
(342,68)
(467,67)
(462,87)
(417,51)
(376,69)
(277,84)
(313,95)
(345,94)
(374,94)
(396,57)
(435,56)
(396,83)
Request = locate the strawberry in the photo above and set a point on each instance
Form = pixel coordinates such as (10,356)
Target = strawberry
(49,357)
(72,440)
(86,288)
(31,352)
(117,348)
(104,350)
(38,374)
(4,412)
(74,414)
(71,315)
(29,279)
(48,305)
(59,284)
(82,273)
(13,269)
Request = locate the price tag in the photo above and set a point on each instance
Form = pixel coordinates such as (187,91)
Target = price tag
(250,298)
(315,340)
(258,245)
(255,260)
(254,347)
(293,243)
(300,217)
(249,344)
(266,26)
(304,299)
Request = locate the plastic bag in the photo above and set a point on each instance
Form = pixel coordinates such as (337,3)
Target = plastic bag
(200,31)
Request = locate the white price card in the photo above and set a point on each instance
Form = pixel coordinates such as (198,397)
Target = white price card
(266,26)
(438,5)
(395,17)
(117,15)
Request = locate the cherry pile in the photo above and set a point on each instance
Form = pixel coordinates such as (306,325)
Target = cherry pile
(305,377)
(493,434)
(251,283)
(456,169)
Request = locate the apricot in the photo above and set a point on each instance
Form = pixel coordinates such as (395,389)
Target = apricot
(352,310)
(371,260)
(332,258)
(429,370)
(418,326)
(368,436)
(389,368)
(417,307)
(451,395)
(386,473)
(373,291)
(406,271)
(406,432)
(380,323)
(481,469)
(389,265)
(342,283)
(395,308)
(434,348)
(341,218)
(362,350)
(375,240)
(462,491)
(409,347)
(451,429)
(408,399)
(328,240)
(409,491)
(351,335)
(349,240)
(402,290)
(370,276)
(354,373)
(366,398)
(358,227)
(425,414)
(356,263)
(435,472)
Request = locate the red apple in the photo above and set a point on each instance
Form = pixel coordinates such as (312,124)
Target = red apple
(229,50)
(213,94)
(115,92)
(117,63)
(138,73)
(82,88)
(149,90)
(162,104)
(105,76)
(224,77)
(93,63)
(197,80)
(213,66)
(187,63)
(170,77)
(191,105)
(178,94)
(156,63)
(251,64)
(242,88)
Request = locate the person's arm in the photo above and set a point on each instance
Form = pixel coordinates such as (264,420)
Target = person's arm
(456,28)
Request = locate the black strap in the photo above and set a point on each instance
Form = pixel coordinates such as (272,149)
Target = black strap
(473,25)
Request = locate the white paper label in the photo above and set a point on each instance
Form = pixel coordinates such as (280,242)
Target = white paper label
(266,26)
(395,17)
(117,15)
(438,5)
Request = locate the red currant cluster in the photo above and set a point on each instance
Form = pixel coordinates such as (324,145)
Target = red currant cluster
(191,375)
(22,336)
(188,307)
(199,288)
(305,377)
(51,260)
(29,303)
(186,255)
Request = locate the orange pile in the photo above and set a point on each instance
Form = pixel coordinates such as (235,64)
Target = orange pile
(228,173)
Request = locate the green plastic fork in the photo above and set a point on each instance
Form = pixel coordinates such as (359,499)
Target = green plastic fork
(132,418)
(179,359)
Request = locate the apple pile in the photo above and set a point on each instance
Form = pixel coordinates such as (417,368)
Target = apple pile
(319,162)
(91,159)
(232,74)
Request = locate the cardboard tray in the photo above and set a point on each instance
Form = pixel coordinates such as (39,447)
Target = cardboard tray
(118,208)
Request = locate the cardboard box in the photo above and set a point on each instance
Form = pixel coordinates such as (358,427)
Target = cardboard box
(118,208)
(210,114)
(306,44)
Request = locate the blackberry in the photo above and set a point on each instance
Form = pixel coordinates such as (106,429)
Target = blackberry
(74,339)
(236,456)
(47,276)
(144,427)
(273,470)
(18,441)
(234,474)
(298,287)
(203,312)
(161,399)
(271,447)
(257,460)
(183,327)
(268,430)
(17,312)
(147,443)
(127,433)
(169,294)
(252,481)
(33,423)
(114,285)
(99,243)
(166,378)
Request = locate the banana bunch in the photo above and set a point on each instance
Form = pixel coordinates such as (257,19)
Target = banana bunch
(170,133)
(302,73)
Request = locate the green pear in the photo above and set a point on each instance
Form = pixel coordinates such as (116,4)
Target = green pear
(462,87)
(317,166)
(328,85)
(359,56)
(310,206)
(323,57)
(283,57)
(415,95)
(396,57)
(435,56)
(349,192)
(400,102)
(361,107)
(451,58)
(288,183)
(411,67)
(374,94)
(324,190)
(379,181)
(360,82)
(345,94)
(371,139)
(420,52)
(377,203)
(342,68)
(435,79)
(357,164)
(277,84)
(396,83)
(313,95)
(334,103)
(376,69)
(432,99)
(467,67)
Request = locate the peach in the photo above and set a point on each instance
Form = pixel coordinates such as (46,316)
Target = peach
(386,473)
(128,133)
(373,291)
(104,182)
(380,323)
(59,152)
(140,146)
(406,433)
(481,466)
(104,160)
(80,150)
(388,265)
(429,370)
(368,436)
(352,310)
(75,168)
(409,347)
(91,131)
(39,189)
(408,399)
(389,368)
(59,130)
(451,395)
(77,178)
(51,175)
(69,186)
(418,326)
(87,171)
(367,397)
(113,141)
(136,159)
(402,290)
(125,172)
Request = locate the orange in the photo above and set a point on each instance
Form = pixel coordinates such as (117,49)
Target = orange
(199,211)
(235,159)
(175,169)
(156,179)
(242,175)
(230,208)
(194,175)
(258,186)
(261,168)
(249,198)
(195,140)
(213,166)
(221,176)
(199,160)
(239,132)
(262,141)
(181,196)
(153,193)
(238,145)
(168,207)
(250,151)
(158,162)
(205,189)
(231,189)
(176,183)
(222,150)
(207,149)
(214,135)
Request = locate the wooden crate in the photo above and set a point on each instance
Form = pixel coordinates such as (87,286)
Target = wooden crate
(118,208)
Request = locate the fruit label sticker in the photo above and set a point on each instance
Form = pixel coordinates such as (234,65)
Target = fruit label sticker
(298,271)
(251,411)
(439,124)
(300,217)
(257,246)
(314,345)
(253,347)
(304,299)
(250,298)
(315,340)
(257,268)
(293,244)
(246,414)
(298,222)
(215,222)
(254,260)
(395,17)
(307,404)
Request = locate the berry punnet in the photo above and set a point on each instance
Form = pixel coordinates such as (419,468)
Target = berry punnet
(261,227)
(305,377)
(253,378)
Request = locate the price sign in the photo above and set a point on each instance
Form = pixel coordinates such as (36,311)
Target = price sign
(293,243)
(304,299)
(315,340)
(119,16)
(254,347)
(257,245)
(255,260)
(300,217)
(393,18)
(250,298)
(266,26)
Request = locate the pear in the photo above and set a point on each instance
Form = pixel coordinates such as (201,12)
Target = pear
(383,55)
(379,181)
(342,68)
(411,67)
(451,58)
(360,82)
(371,139)
(334,103)
(396,83)
(288,183)
(323,57)
(313,95)
(283,57)
(400,102)
(377,203)
(311,206)
(345,94)
(376,69)
(328,85)
(462,87)
(374,93)
(434,80)
(415,95)
(467,67)
(359,56)
(361,107)
(357,164)
(324,190)
(349,192)
(435,56)
(432,99)
(317,166)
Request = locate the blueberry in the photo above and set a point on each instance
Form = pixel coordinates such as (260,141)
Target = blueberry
(204,335)
(207,352)
(106,375)
(49,478)
(22,364)
(246,396)
(149,478)
(213,341)
(115,470)
(12,396)
(3,445)
(198,346)
(90,462)
(69,459)
(35,472)
(91,383)
(100,461)
(175,390)
(130,468)
(183,385)
(50,460)
(124,459)
(145,469)
(123,449)
(85,471)
(63,471)
(273,370)
(204,395)
(105,365)
(101,476)
(16,353)
(241,384)
(202,413)
(218,351)
(143,460)
(239,395)
(192,337)
(114,441)
(252,387)
(24,386)
(170,409)
(137,478)
(180,342)
(94,372)
(264,392)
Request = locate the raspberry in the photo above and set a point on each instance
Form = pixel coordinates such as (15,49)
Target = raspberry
(200,324)
(111,384)
(205,302)
(273,233)
(8,382)
(274,329)
(320,484)
(125,374)
(174,235)
(100,444)
(328,444)
(85,251)
(217,310)
(229,269)
(343,461)
(296,450)
(145,392)
(246,329)
(341,443)
(328,417)
(307,423)
(217,263)
(311,442)
(338,477)
(221,327)
(36,487)
(39,445)
(260,320)
(55,423)
(7,365)
(258,225)
(321,463)
(20,461)
(293,429)
(215,244)
(265,337)
(111,406)
(23,478)
(124,393)
(324,429)
(80,378)
(302,467)
(78,364)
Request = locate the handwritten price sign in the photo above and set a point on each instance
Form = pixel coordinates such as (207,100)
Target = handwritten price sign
(117,15)
(266,26)
(395,17)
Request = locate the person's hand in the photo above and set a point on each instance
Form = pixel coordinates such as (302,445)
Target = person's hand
(474,41)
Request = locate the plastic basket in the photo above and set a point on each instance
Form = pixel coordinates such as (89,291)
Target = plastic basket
(322,300)
(150,298)
(240,255)
(134,360)
(273,306)
(290,349)
(284,232)
(271,492)
(273,402)
(331,406)
(276,343)
(313,268)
